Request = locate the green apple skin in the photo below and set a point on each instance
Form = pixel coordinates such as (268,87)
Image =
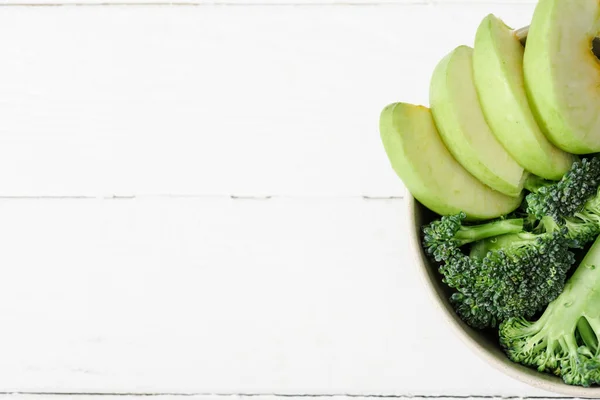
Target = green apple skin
(421,160)
(463,128)
(498,73)
(562,75)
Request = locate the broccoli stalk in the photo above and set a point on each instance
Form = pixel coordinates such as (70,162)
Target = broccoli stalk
(503,243)
(564,340)
(469,234)
(534,183)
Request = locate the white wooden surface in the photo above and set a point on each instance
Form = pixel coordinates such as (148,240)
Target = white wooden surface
(194,200)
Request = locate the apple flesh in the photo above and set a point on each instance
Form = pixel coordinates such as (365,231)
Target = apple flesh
(498,73)
(562,75)
(430,173)
(464,129)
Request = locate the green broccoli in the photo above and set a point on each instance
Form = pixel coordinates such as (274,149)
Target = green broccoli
(509,272)
(572,202)
(564,340)
(516,266)
(444,236)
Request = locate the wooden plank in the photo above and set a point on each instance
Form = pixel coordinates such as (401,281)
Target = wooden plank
(287,296)
(257,100)
(238,397)
(260,2)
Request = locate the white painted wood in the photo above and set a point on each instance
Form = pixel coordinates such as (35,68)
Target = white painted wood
(288,296)
(183,289)
(261,2)
(226,397)
(229,397)
(257,100)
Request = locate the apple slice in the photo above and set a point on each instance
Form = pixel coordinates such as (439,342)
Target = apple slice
(462,125)
(562,75)
(498,73)
(428,170)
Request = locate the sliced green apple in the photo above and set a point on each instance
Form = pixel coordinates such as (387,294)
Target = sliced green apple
(428,170)
(462,125)
(498,74)
(562,75)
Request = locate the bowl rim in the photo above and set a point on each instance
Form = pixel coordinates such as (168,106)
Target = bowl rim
(472,338)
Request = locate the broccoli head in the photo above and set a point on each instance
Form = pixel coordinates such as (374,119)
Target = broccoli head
(564,340)
(508,276)
(572,202)
(584,226)
(507,273)
(568,196)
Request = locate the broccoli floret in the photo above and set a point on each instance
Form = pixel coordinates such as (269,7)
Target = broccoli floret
(509,276)
(568,196)
(572,202)
(508,273)
(564,340)
(584,226)
(443,237)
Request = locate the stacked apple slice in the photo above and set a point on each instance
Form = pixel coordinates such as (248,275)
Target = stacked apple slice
(498,75)
(501,113)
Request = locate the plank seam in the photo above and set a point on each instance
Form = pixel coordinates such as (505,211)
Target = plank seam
(232,197)
(207,4)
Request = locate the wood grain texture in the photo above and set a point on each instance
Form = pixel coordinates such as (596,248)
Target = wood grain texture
(214,101)
(280,296)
